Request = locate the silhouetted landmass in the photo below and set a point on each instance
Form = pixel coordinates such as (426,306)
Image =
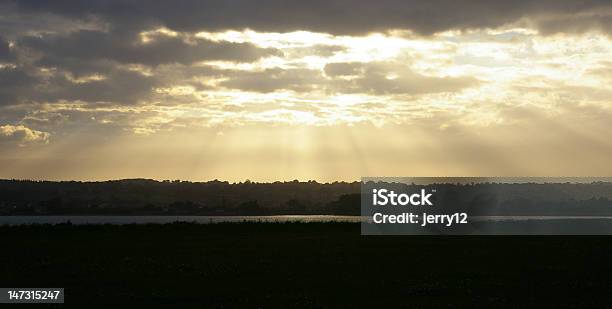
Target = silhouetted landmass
(150,197)
(303,265)
(143,196)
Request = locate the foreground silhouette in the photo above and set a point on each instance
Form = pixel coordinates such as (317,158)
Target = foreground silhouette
(303,265)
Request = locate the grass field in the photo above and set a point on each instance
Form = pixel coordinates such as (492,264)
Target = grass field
(303,265)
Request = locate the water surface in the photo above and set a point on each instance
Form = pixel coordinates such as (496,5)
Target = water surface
(18,220)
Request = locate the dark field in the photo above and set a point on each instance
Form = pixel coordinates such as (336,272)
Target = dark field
(303,265)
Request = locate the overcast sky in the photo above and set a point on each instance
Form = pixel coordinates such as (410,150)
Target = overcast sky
(325,90)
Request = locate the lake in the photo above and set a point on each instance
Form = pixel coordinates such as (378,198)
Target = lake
(18,220)
(480,225)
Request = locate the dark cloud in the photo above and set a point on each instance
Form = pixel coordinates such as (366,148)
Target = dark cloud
(127,48)
(103,37)
(376,78)
(119,87)
(332,16)
(82,53)
(16,84)
(391,78)
(20,85)
(15,23)
(269,80)
(576,24)
(75,66)
(5,50)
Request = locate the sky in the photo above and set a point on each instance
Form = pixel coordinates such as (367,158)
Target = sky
(309,90)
